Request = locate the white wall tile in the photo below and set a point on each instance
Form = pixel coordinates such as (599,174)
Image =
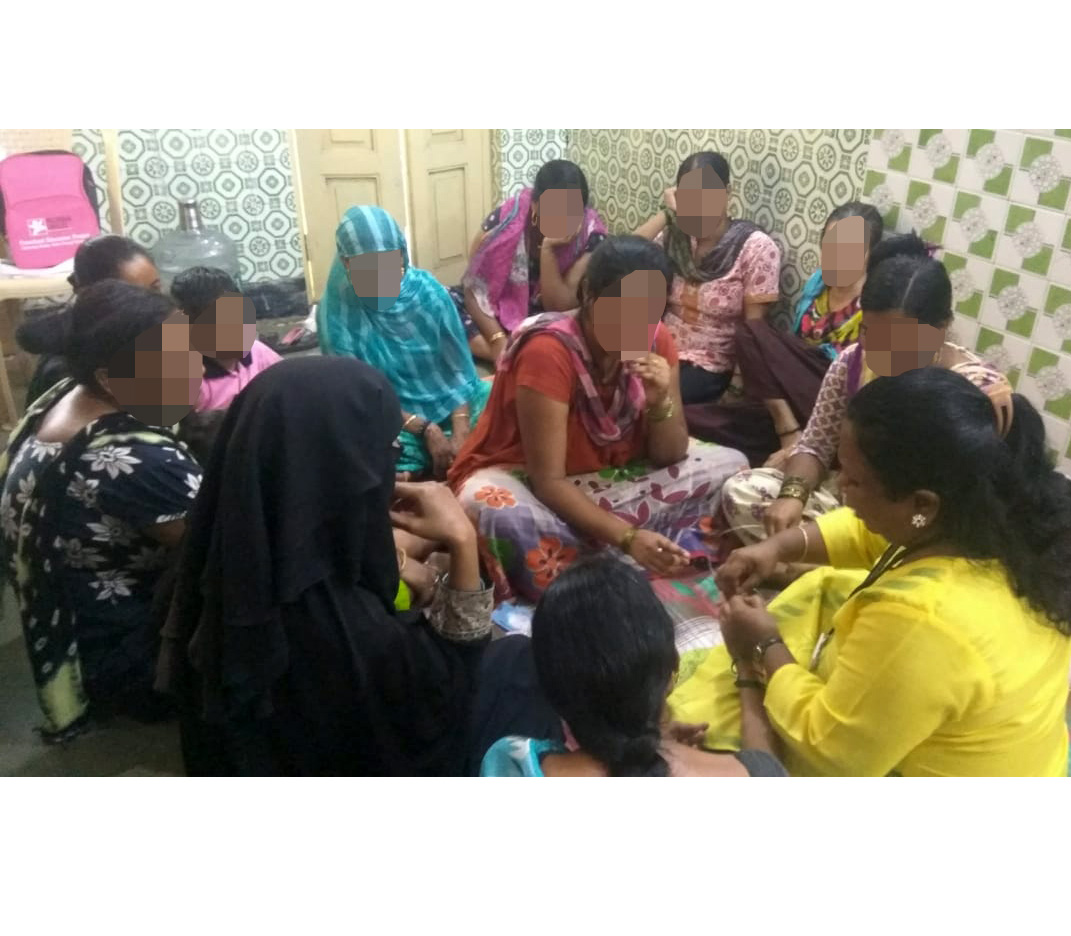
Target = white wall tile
(1018,350)
(965,331)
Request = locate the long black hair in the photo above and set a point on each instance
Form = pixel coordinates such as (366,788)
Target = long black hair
(932,429)
(873,224)
(104,320)
(560,174)
(97,259)
(902,276)
(604,653)
(715,161)
(615,258)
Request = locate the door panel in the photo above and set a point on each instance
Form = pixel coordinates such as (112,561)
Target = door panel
(335,170)
(450,188)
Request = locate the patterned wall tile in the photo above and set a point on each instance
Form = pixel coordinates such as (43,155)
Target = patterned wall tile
(997,203)
(787,181)
(517,155)
(240,179)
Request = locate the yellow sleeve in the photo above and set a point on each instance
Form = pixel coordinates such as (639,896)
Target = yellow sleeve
(849,543)
(896,680)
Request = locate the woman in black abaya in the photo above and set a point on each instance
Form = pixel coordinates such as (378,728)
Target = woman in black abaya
(283,645)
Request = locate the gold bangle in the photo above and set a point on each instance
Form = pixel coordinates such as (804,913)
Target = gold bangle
(626,541)
(402,558)
(662,415)
(405,425)
(497,336)
(806,543)
(795,489)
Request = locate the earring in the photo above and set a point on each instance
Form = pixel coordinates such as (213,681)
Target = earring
(918,521)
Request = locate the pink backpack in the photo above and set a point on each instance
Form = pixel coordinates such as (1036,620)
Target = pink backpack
(48,206)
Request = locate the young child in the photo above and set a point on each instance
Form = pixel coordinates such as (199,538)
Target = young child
(223,327)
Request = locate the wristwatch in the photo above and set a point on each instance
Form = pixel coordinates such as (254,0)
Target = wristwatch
(763,647)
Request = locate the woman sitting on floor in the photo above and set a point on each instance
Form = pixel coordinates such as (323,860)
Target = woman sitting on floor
(726,271)
(950,657)
(782,371)
(223,328)
(94,501)
(379,308)
(605,658)
(529,257)
(907,294)
(283,645)
(586,444)
(108,256)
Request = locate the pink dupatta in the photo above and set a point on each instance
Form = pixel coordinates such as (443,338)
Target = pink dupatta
(498,272)
(604,425)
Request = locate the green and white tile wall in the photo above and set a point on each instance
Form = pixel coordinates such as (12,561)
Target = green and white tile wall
(240,178)
(997,201)
(787,181)
(516,156)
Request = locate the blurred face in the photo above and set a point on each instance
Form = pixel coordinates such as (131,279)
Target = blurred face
(895,343)
(227,331)
(157,378)
(844,252)
(702,202)
(377,278)
(140,271)
(560,213)
(625,316)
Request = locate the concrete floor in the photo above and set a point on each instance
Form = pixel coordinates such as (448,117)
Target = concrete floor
(120,748)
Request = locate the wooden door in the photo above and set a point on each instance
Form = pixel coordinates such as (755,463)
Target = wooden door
(335,170)
(450,194)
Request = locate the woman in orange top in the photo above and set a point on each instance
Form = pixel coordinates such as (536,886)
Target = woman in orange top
(585,445)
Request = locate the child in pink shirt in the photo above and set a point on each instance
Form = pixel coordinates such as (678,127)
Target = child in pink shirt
(223,328)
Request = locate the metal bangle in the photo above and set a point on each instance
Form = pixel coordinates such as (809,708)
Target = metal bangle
(795,489)
(763,648)
(668,409)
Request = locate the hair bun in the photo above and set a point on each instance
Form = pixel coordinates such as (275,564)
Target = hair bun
(899,245)
(46,334)
(638,757)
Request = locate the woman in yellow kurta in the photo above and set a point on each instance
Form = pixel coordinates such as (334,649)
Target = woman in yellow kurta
(951,655)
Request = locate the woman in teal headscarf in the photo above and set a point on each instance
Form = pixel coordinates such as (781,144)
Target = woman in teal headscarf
(402,321)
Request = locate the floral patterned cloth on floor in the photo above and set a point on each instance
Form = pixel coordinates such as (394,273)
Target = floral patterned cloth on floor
(525,545)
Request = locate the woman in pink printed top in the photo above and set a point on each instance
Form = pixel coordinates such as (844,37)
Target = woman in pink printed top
(726,272)
(223,328)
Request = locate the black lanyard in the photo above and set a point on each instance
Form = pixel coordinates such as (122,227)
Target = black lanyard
(892,558)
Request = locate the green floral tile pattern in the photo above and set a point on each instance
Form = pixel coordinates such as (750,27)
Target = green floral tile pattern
(240,179)
(787,181)
(516,156)
(996,201)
